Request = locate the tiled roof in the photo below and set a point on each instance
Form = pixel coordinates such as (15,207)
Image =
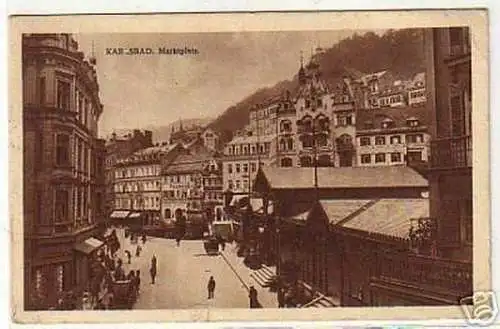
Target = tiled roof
(337,210)
(390,217)
(191,162)
(398,115)
(343,177)
(252,139)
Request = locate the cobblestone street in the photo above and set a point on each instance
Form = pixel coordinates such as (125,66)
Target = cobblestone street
(183,274)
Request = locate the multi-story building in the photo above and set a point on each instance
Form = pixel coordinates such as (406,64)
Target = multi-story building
(242,157)
(120,148)
(62,167)
(450,177)
(212,188)
(182,181)
(313,118)
(137,186)
(286,153)
(392,136)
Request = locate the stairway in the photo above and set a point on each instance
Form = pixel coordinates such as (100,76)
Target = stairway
(263,276)
(321,301)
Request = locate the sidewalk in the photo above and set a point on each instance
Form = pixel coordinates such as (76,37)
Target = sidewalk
(267,298)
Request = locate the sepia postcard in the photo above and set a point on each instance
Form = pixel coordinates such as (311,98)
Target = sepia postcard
(265,166)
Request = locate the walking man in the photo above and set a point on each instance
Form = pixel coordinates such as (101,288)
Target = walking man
(152,270)
(252,294)
(211,287)
(129,256)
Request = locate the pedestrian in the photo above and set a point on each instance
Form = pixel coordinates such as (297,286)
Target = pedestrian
(138,251)
(138,280)
(252,294)
(129,255)
(281,297)
(143,238)
(130,275)
(153,269)
(211,287)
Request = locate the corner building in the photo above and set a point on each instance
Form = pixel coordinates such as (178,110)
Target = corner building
(63,167)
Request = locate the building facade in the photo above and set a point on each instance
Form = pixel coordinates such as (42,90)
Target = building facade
(183,181)
(242,157)
(62,166)
(449,73)
(393,136)
(137,185)
(120,148)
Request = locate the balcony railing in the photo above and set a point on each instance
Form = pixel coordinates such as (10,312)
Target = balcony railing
(421,270)
(454,152)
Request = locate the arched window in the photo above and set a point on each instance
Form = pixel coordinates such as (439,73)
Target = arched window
(321,140)
(290,144)
(286,162)
(305,161)
(168,213)
(178,213)
(344,139)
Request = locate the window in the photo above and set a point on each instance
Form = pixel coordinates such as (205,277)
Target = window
(414,138)
(414,156)
(168,213)
(238,185)
(366,158)
(379,157)
(396,139)
(388,123)
(61,206)
(319,102)
(286,162)
(380,140)
(307,141)
(42,90)
(395,157)
(62,150)
(230,168)
(363,141)
(253,166)
(321,140)
(253,149)
(245,167)
(63,95)
(290,144)
(230,184)
(412,123)
(238,167)
(457,116)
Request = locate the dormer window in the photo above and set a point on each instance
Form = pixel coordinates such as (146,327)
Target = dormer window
(387,123)
(412,122)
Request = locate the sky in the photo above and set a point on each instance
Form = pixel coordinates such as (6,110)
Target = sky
(139,91)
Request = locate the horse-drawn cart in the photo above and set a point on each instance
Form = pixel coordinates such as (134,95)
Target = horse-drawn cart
(211,245)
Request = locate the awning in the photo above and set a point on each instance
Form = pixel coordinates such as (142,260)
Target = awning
(237,198)
(88,246)
(119,214)
(134,215)
(258,206)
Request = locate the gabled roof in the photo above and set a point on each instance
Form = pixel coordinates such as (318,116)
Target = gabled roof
(339,178)
(193,161)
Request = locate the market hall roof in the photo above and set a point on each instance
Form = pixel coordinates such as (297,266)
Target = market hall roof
(390,217)
(279,178)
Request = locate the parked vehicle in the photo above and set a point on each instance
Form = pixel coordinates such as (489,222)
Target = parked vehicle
(211,245)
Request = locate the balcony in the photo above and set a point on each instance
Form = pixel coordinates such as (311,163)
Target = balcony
(451,153)
(419,270)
